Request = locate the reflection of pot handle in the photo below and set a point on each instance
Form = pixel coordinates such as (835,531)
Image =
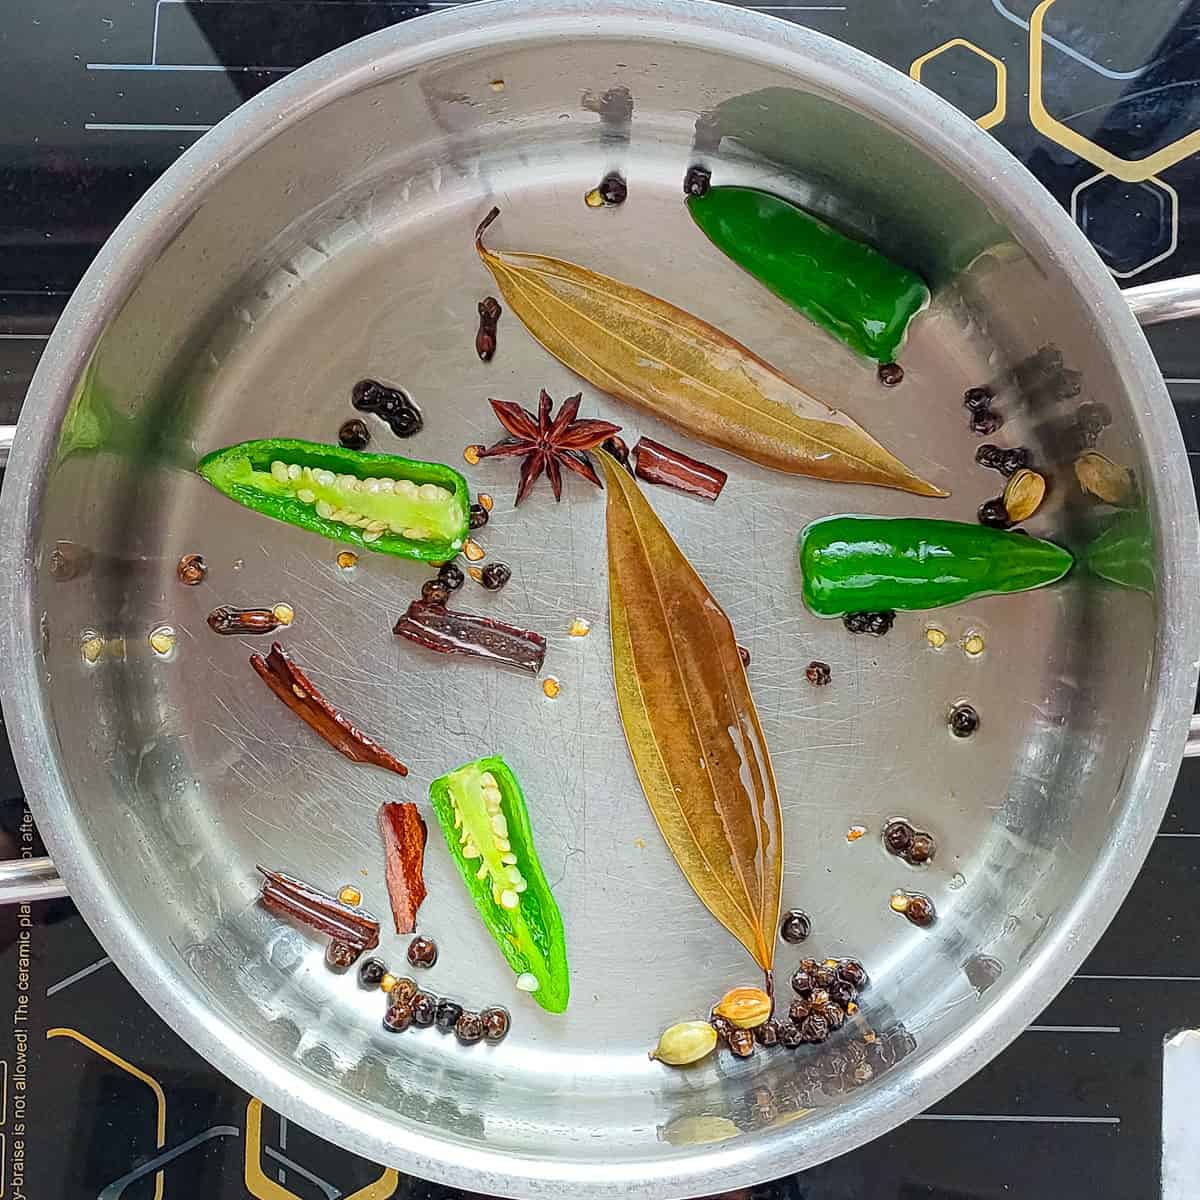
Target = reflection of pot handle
(25,879)
(1170,300)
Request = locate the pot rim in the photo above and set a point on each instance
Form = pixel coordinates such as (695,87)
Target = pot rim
(862,84)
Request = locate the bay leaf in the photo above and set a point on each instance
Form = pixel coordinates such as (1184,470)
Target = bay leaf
(690,722)
(687,372)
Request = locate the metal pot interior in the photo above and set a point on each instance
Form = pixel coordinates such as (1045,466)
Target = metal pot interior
(322,235)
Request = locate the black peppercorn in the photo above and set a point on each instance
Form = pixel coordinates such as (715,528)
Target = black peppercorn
(835,1015)
(920,910)
(478,516)
(898,836)
(469,1028)
(371,971)
(422,952)
(863,1073)
(354,434)
(818,998)
(495,575)
(767,1034)
(340,955)
(403,990)
(798,1010)
(451,575)
(990,456)
(815,1028)
(447,1015)
(809,965)
(823,976)
(741,1042)
(1015,459)
(818,673)
(795,926)
(977,399)
(790,1035)
(853,973)
(722,1025)
(875,623)
(986,422)
(842,993)
(401,414)
(993,513)
(398,1017)
(435,591)
(424,1009)
(921,849)
(496,1023)
(697,181)
(613,189)
(802,982)
(964,720)
(890,374)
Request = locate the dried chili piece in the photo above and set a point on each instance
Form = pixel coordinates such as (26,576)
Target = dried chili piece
(404,835)
(292,686)
(351,927)
(451,632)
(656,463)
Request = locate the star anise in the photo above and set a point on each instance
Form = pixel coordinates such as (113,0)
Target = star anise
(548,444)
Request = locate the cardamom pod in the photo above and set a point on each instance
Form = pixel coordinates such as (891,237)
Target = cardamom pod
(745,1007)
(1023,495)
(685,1043)
(1106,480)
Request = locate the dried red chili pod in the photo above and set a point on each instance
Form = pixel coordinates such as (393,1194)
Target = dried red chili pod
(404,836)
(656,463)
(292,686)
(454,632)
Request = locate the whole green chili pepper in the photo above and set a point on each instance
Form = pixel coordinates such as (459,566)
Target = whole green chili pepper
(873,564)
(849,288)
(482,813)
(377,501)
(1123,554)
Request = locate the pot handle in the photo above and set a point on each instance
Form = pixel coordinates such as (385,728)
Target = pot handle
(23,880)
(1169,300)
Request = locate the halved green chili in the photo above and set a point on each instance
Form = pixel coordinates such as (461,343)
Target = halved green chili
(481,810)
(845,286)
(380,502)
(875,564)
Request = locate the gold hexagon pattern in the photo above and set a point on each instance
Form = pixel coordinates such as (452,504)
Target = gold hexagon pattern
(994,115)
(1126,169)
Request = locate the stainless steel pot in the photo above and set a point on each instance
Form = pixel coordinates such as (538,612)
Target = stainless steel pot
(322,234)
